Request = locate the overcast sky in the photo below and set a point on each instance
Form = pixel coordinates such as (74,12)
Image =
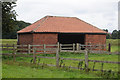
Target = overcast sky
(100,13)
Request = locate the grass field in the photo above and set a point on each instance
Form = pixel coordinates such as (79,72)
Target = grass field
(22,68)
(9,41)
(25,70)
(115,44)
(103,57)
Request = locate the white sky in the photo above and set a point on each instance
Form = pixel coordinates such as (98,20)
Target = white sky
(100,13)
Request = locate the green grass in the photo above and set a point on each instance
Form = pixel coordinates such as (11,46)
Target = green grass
(103,57)
(9,41)
(81,56)
(113,41)
(21,70)
(115,48)
(115,44)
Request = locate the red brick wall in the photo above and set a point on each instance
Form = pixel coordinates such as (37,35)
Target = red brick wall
(95,38)
(25,39)
(46,38)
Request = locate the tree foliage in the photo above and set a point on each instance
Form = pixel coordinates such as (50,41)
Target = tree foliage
(8,19)
(10,25)
(114,35)
(22,24)
(119,34)
(108,35)
(18,26)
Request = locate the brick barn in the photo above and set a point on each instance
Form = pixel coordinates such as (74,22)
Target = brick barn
(65,30)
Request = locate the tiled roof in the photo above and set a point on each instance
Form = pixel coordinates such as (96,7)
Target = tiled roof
(61,25)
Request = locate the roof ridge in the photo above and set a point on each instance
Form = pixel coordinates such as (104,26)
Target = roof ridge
(89,24)
(40,24)
(61,16)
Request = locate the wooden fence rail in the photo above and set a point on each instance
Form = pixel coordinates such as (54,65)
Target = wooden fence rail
(72,59)
(62,47)
(79,47)
(104,61)
(31,49)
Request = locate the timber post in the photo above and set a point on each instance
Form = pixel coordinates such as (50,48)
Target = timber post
(29,49)
(57,58)
(34,55)
(73,47)
(14,52)
(86,60)
(77,47)
(44,48)
(60,47)
(109,47)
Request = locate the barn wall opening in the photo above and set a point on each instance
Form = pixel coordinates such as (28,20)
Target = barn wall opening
(65,38)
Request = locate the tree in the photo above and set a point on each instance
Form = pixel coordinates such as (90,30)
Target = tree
(115,34)
(119,34)
(22,24)
(10,25)
(8,19)
(105,30)
(108,35)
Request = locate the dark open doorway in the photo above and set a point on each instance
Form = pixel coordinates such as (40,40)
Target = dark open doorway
(70,38)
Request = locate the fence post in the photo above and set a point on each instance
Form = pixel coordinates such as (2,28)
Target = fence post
(90,47)
(77,47)
(73,47)
(44,48)
(57,58)
(14,51)
(86,59)
(29,49)
(34,56)
(22,48)
(60,48)
(109,47)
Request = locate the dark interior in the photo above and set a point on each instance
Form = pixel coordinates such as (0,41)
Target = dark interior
(70,38)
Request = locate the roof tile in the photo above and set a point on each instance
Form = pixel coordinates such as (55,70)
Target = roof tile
(62,25)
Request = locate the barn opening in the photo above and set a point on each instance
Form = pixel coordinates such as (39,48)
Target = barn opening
(67,38)
(70,38)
